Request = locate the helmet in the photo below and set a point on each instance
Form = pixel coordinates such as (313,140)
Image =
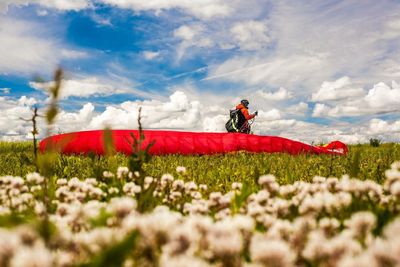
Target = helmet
(245,103)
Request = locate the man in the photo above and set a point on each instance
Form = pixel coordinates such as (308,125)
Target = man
(240,117)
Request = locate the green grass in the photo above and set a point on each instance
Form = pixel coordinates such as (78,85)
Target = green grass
(217,171)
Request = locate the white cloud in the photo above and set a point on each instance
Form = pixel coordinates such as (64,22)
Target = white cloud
(86,87)
(191,36)
(39,54)
(281,94)
(73,54)
(13,113)
(5,90)
(285,71)
(340,89)
(251,35)
(36,53)
(308,48)
(181,112)
(205,9)
(56,4)
(299,109)
(150,55)
(381,96)
(379,99)
(378,126)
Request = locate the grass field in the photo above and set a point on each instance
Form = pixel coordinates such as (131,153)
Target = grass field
(233,210)
(217,171)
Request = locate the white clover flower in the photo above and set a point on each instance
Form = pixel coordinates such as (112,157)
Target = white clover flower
(178,185)
(190,186)
(122,206)
(361,223)
(62,181)
(108,174)
(195,195)
(34,177)
(203,187)
(91,181)
(34,256)
(395,189)
(319,179)
(181,169)
(113,190)
(224,239)
(17,182)
(237,186)
(384,252)
(269,252)
(74,183)
(365,259)
(182,261)
(329,225)
(266,179)
(122,172)
(131,188)
(148,180)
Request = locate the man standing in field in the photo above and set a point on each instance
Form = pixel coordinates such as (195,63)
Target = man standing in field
(239,118)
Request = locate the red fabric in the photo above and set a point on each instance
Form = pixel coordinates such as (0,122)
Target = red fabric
(186,143)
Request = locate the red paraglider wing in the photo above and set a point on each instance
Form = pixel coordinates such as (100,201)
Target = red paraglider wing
(186,143)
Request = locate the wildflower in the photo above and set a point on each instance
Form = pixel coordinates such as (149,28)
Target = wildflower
(113,190)
(122,172)
(190,186)
(35,178)
(178,185)
(108,174)
(131,188)
(237,186)
(361,223)
(270,252)
(34,256)
(181,169)
(395,189)
(122,206)
(224,239)
(62,181)
(203,187)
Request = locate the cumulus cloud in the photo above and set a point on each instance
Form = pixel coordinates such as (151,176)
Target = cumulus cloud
(299,109)
(379,99)
(381,96)
(340,89)
(86,87)
(13,113)
(181,112)
(378,126)
(251,35)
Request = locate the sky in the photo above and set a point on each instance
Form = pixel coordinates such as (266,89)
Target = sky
(316,71)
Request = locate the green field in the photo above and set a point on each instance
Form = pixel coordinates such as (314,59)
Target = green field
(217,171)
(211,211)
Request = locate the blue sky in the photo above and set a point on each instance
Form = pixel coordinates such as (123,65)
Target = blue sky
(316,70)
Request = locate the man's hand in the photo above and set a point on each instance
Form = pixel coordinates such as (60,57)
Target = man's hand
(256,113)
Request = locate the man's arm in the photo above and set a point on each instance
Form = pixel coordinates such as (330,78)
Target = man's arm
(246,114)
